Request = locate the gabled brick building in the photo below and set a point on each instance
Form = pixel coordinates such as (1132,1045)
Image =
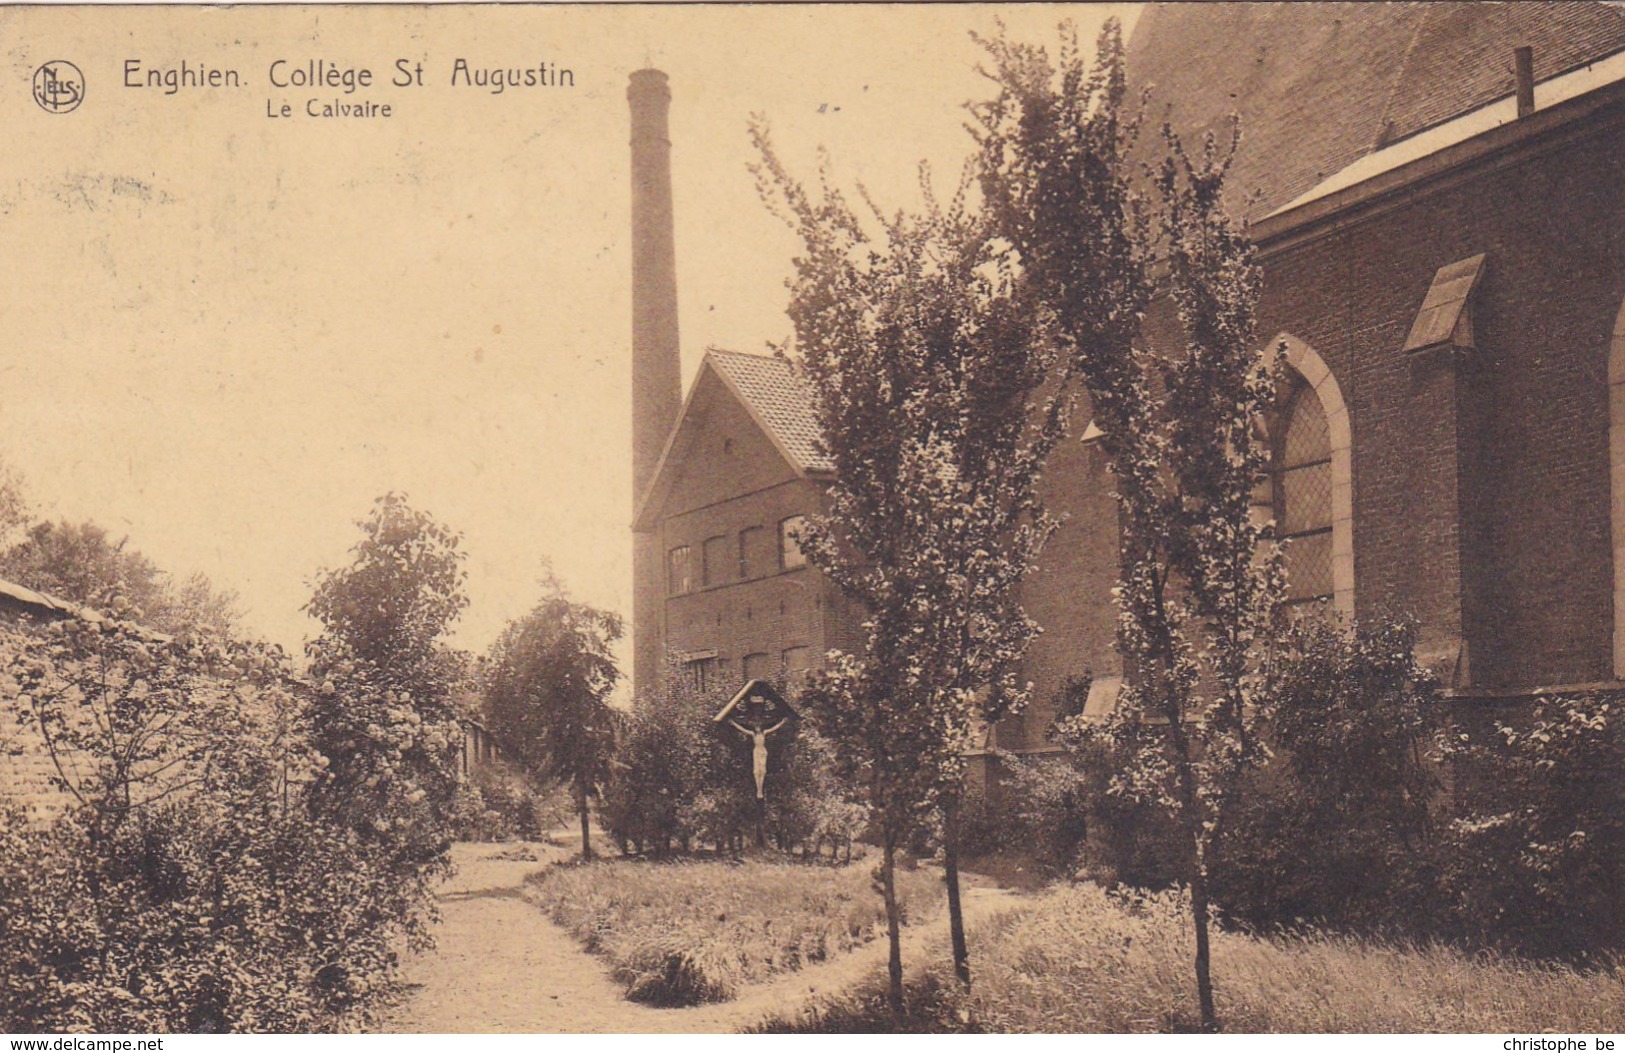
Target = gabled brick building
(738,474)
(1443,244)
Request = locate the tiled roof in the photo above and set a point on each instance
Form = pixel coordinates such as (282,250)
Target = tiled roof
(1319,86)
(779,395)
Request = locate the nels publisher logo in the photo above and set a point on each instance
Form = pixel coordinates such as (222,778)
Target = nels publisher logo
(59,87)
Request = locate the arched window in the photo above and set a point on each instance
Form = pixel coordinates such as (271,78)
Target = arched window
(1301,491)
(1309,490)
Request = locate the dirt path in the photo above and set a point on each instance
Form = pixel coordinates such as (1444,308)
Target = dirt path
(501,966)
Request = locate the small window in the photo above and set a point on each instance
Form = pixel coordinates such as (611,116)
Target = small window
(678,577)
(790,554)
(713,562)
(750,559)
(702,673)
(757,666)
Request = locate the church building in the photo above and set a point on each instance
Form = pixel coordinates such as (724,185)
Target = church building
(1437,193)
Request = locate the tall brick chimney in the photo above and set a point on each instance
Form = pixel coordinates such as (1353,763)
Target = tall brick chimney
(656,383)
(656,364)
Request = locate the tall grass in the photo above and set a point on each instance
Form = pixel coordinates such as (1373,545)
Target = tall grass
(683,933)
(1080,960)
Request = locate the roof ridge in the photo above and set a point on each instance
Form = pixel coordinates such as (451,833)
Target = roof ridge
(714,350)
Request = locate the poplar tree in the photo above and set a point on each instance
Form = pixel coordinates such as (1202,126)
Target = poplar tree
(1200,577)
(934,391)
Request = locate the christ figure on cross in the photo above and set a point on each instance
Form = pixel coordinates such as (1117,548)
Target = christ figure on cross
(758,751)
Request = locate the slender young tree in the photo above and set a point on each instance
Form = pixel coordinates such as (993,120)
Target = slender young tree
(934,392)
(1200,577)
(547,691)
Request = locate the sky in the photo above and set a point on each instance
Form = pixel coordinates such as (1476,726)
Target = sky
(224,332)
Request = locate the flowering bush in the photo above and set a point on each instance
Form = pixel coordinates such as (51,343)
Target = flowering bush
(192,880)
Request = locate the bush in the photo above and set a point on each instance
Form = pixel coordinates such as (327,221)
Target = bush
(683,933)
(1537,863)
(1088,820)
(496,803)
(1039,807)
(1339,827)
(679,780)
(194,881)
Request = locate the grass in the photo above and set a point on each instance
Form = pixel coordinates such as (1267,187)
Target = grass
(1078,960)
(684,933)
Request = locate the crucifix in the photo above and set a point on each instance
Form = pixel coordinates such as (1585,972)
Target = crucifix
(749,713)
(758,750)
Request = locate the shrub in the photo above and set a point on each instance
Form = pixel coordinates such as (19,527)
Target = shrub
(1339,826)
(655,769)
(1537,863)
(1127,836)
(680,780)
(1039,807)
(192,881)
(496,803)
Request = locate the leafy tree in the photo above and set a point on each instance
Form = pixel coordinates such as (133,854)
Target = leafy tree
(547,690)
(196,603)
(387,718)
(929,375)
(16,511)
(83,563)
(400,594)
(1199,585)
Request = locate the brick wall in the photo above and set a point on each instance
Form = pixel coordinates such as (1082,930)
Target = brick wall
(768,612)
(731,478)
(1069,591)
(1481,485)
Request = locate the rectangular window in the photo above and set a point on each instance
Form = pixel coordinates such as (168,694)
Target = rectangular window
(702,673)
(750,543)
(790,554)
(678,578)
(713,561)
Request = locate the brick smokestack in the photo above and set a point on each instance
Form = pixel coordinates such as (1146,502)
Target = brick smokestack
(656,380)
(656,365)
